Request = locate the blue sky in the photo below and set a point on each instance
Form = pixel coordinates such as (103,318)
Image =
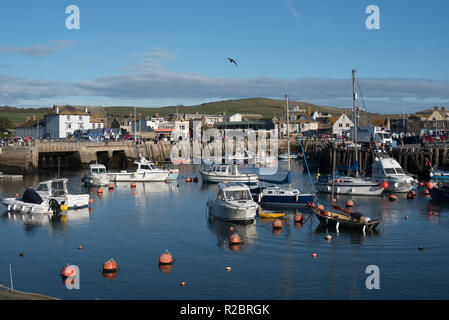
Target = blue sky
(156,53)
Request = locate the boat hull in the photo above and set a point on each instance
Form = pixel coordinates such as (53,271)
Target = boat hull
(348,224)
(351,189)
(287,201)
(140,177)
(212,178)
(224,211)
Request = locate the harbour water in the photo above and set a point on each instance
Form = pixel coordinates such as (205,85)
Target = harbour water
(136,229)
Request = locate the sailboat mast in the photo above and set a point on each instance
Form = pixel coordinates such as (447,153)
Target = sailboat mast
(288,131)
(354,109)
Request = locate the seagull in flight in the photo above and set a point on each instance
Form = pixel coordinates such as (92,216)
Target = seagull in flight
(233,61)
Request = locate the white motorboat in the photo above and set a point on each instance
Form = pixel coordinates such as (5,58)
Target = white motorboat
(97,176)
(49,197)
(146,171)
(226,173)
(389,170)
(233,202)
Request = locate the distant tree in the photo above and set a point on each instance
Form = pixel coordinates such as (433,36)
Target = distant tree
(5,123)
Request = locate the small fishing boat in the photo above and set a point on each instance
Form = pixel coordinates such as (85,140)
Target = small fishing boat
(146,171)
(96,177)
(49,197)
(439,176)
(342,218)
(281,197)
(233,202)
(389,170)
(226,173)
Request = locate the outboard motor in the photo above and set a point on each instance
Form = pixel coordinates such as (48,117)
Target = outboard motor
(54,206)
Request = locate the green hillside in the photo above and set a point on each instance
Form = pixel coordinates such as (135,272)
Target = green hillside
(266,107)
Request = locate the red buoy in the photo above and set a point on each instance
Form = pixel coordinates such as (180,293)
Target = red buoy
(429,185)
(384,185)
(349,203)
(234,239)
(298,218)
(68,271)
(109,266)
(277,224)
(421,184)
(195,180)
(166,258)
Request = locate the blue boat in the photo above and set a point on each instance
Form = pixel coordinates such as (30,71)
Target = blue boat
(439,176)
(439,193)
(281,197)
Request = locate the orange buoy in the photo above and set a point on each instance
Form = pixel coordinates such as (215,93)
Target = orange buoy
(349,203)
(392,197)
(91,201)
(21,254)
(183,284)
(17,195)
(80,247)
(68,271)
(231,228)
(111,187)
(100,191)
(384,185)
(298,218)
(334,201)
(188,180)
(314,255)
(406,218)
(166,258)
(234,239)
(195,179)
(228,269)
(133,185)
(321,207)
(429,185)
(277,224)
(426,192)
(109,266)
(337,181)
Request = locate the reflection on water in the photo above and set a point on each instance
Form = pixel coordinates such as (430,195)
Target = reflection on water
(222,230)
(55,223)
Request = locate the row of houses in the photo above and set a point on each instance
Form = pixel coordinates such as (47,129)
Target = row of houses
(64,121)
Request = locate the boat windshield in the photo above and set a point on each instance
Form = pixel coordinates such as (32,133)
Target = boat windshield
(42,187)
(394,171)
(58,188)
(98,170)
(238,195)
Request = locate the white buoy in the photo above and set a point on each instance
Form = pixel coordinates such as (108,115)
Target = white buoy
(336,227)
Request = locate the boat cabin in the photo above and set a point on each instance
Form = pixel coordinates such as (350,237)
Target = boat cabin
(387,167)
(53,188)
(223,170)
(144,164)
(233,192)
(97,169)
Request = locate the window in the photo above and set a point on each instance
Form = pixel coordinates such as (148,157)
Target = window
(340,125)
(238,195)
(347,125)
(68,118)
(81,118)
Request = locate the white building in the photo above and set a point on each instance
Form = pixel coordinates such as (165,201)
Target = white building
(63,123)
(342,125)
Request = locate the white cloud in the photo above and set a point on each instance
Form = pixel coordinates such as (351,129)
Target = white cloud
(36,51)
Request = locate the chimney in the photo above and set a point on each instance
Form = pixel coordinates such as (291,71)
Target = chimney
(443,108)
(435,108)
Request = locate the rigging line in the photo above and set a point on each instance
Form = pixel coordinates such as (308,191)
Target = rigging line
(367,117)
(302,148)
